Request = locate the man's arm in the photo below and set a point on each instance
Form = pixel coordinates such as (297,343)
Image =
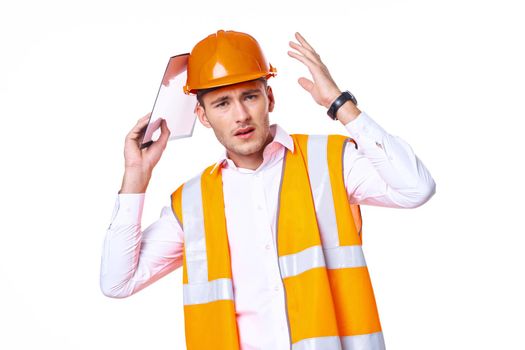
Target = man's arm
(133,259)
(383,170)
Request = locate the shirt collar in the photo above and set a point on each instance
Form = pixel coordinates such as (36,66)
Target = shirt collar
(279,136)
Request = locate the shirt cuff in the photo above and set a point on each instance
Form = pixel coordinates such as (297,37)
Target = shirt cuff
(128,209)
(366,132)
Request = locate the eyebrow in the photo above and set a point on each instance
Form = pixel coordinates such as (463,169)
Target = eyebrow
(224,98)
(251,91)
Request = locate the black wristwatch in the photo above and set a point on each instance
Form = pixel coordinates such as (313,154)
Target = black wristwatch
(345,96)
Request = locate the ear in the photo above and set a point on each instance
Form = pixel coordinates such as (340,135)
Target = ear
(201,114)
(271,98)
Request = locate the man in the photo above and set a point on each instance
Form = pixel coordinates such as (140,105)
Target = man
(269,237)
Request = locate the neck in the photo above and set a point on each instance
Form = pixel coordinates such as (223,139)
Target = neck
(251,162)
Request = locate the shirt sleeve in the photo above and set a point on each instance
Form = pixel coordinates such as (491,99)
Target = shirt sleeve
(383,170)
(132,259)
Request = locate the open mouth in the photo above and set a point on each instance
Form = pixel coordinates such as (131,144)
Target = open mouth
(245,132)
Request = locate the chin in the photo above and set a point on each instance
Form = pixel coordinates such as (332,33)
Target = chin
(248,149)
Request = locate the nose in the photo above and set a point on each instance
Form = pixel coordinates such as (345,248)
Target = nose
(241,112)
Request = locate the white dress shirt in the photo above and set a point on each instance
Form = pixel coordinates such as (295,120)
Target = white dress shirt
(382,171)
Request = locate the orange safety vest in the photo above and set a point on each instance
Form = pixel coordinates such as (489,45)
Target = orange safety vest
(330,303)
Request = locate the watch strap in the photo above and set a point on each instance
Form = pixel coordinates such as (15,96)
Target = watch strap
(345,96)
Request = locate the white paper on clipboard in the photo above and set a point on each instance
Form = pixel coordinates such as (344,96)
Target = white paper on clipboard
(172,104)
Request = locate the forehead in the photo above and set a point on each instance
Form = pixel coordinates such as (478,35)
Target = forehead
(235,89)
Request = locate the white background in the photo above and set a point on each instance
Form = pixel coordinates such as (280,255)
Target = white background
(446,76)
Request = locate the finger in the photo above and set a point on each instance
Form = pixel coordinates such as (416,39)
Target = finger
(306,52)
(146,116)
(308,62)
(164,132)
(161,142)
(143,119)
(303,41)
(314,69)
(306,84)
(138,129)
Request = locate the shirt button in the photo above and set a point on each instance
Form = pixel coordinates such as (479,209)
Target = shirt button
(259,207)
(276,288)
(267,247)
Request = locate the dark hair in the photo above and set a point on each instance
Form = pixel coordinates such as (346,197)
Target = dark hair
(203,92)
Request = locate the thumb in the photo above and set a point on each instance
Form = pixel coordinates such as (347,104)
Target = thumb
(164,132)
(306,84)
(160,144)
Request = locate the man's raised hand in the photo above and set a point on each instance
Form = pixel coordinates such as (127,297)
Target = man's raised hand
(139,163)
(323,88)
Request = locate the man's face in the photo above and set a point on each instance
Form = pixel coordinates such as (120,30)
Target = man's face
(239,116)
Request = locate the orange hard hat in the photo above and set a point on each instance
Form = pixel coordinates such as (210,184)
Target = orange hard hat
(225,58)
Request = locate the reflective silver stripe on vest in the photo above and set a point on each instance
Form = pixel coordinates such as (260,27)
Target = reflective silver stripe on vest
(294,264)
(313,257)
(322,189)
(194,235)
(219,289)
(321,343)
(344,256)
(373,341)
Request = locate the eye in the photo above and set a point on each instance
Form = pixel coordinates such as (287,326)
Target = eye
(221,105)
(251,97)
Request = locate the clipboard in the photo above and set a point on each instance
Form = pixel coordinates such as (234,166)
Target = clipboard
(172,104)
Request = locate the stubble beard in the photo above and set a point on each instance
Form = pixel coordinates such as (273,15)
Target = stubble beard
(246,148)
